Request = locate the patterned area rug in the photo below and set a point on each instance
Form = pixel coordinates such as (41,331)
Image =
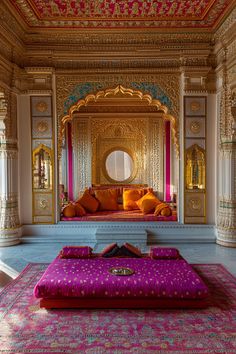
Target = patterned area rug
(25,328)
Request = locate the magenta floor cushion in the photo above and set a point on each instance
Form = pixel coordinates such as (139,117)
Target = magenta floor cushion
(92,278)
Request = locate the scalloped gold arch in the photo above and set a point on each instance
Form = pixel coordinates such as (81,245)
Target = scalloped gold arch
(124,91)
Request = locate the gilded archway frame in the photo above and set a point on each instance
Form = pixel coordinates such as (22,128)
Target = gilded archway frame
(119,89)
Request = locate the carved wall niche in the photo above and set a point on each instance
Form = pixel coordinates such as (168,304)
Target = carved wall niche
(117,118)
(142,138)
(125,134)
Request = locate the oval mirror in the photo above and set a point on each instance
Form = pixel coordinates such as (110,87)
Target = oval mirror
(119,165)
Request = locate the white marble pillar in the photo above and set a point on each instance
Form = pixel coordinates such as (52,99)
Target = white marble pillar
(10,230)
(226,219)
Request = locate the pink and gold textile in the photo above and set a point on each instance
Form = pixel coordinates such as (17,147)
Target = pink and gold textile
(27,328)
(164,253)
(76,252)
(91,278)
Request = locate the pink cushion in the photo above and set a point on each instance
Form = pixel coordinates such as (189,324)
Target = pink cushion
(76,252)
(164,253)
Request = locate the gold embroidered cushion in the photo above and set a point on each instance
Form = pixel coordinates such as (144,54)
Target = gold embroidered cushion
(148,203)
(130,196)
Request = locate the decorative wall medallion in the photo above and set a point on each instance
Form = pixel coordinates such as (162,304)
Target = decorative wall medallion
(195,105)
(195,127)
(43,204)
(195,204)
(41,106)
(42,126)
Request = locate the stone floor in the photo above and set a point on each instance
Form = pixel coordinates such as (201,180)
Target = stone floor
(14,259)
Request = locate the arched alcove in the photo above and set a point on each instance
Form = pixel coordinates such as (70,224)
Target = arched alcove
(118,119)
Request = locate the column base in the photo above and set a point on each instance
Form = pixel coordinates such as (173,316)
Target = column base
(10,237)
(226,238)
(226,244)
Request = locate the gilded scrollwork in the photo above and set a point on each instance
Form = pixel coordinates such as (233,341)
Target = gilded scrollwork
(226,118)
(82,155)
(155,170)
(170,85)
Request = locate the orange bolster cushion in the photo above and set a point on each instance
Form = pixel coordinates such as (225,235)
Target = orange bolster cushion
(88,202)
(69,211)
(148,203)
(163,210)
(130,196)
(107,199)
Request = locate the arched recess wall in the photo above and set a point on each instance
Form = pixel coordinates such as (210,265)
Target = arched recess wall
(151,127)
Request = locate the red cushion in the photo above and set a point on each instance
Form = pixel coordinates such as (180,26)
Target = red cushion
(108,248)
(133,249)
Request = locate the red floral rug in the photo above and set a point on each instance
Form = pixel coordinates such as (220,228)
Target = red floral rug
(25,328)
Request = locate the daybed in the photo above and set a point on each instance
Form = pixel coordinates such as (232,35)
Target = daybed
(118,203)
(168,282)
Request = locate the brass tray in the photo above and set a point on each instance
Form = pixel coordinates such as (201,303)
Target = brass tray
(121,271)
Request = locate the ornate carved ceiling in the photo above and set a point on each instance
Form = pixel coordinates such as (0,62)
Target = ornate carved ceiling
(124,14)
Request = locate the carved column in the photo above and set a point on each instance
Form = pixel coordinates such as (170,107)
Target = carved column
(10,230)
(226,220)
(155,171)
(82,155)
